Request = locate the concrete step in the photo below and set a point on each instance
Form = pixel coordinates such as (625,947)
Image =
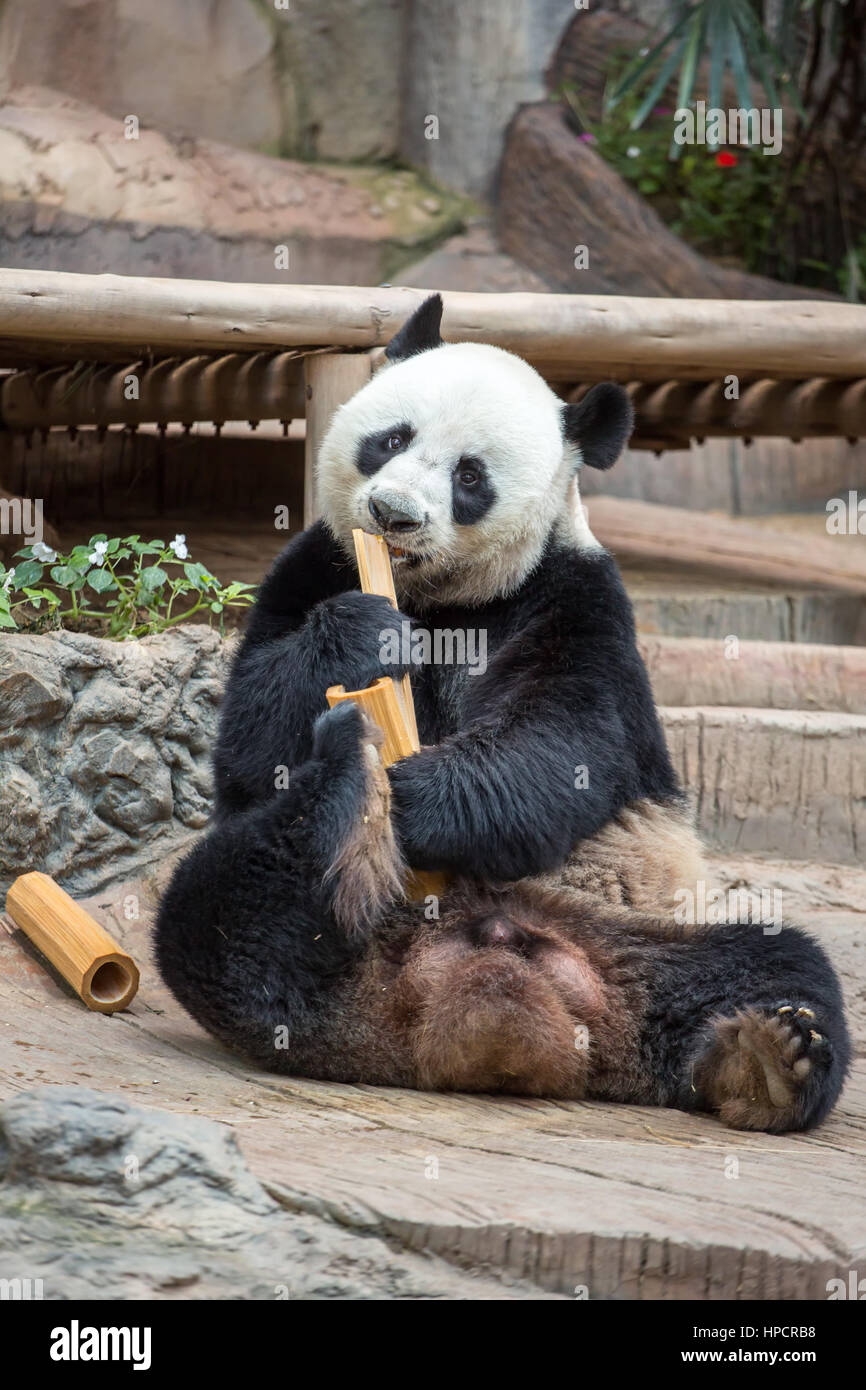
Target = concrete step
(784,782)
(729,475)
(628,1202)
(687,604)
(763,675)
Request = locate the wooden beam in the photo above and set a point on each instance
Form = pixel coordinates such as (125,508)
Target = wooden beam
(236,386)
(111,316)
(330,378)
(643,531)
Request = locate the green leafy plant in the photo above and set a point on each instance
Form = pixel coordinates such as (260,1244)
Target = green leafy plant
(723,202)
(728,33)
(115,588)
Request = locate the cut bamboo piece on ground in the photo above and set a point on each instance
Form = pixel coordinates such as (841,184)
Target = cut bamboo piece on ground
(644,531)
(101,974)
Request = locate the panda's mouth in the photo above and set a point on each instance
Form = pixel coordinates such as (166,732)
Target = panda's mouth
(404,558)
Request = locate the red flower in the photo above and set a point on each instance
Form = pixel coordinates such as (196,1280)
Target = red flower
(726,159)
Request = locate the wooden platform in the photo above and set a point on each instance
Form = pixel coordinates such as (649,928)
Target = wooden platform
(631,1203)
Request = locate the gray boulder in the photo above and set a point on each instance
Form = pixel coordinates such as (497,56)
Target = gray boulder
(102,1199)
(104,750)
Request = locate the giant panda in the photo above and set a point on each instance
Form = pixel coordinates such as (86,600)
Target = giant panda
(552,964)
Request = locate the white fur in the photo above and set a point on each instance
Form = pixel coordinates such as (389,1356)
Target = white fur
(461,399)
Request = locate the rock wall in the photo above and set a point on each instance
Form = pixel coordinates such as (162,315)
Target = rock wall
(103,1199)
(468,68)
(77,195)
(104,750)
(319,79)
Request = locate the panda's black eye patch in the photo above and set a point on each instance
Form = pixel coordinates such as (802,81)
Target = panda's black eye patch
(376,449)
(472,493)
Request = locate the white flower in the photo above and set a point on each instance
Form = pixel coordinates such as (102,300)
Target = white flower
(99,552)
(633,151)
(178,545)
(43,552)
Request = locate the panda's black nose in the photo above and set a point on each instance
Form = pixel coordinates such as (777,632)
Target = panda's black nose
(392,518)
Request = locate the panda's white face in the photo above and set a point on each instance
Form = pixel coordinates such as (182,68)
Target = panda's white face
(458,457)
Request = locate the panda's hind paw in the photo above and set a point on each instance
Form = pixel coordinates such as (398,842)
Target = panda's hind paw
(768,1068)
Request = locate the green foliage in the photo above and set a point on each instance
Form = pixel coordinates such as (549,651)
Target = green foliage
(723,209)
(728,34)
(114,588)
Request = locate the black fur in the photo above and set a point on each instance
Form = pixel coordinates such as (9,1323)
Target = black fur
(565,688)
(600,424)
(375,450)
(419,333)
(308,631)
(717,971)
(246,939)
(470,501)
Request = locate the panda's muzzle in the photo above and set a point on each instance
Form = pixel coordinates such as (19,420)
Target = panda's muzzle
(397,520)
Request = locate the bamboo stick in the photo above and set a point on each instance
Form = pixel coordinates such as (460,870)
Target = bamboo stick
(45,313)
(102,975)
(388,703)
(377,577)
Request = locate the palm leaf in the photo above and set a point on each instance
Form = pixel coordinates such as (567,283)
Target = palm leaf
(633,75)
(665,74)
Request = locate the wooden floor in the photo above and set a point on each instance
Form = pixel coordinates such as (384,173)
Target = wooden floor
(629,1203)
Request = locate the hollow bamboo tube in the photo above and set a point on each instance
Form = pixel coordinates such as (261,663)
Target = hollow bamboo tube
(381,703)
(102,975)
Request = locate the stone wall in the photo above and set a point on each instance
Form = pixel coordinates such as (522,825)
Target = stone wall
(104,750)
(319,79)
(345,80)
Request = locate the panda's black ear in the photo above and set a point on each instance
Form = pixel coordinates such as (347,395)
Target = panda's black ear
(419,333)
(600,424)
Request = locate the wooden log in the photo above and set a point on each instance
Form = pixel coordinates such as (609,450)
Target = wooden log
(62,315)
(330,379)
(102,975)
(681,411)
(642,531)
(264,386)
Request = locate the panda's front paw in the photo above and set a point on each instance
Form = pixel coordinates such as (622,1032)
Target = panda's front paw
(770,1069)
(364,637)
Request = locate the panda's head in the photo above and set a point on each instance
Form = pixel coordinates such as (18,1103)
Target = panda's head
(462,457)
